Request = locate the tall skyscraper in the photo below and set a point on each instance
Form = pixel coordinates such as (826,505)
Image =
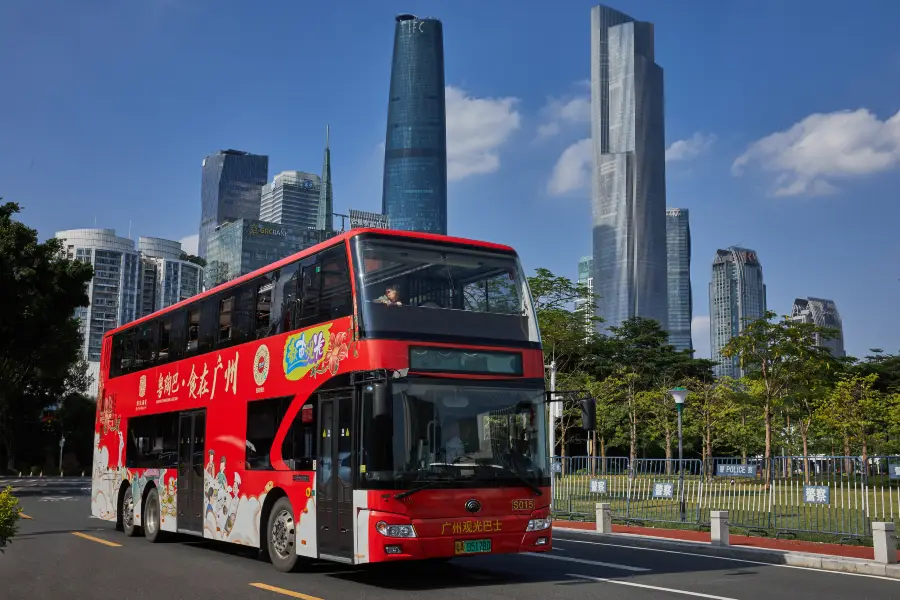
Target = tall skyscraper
(414,197)
(823,313)
(629,170)
(678,261)
(292,198)
(166,278)
(325,220)
(586,277)
(736,294)
(230,189)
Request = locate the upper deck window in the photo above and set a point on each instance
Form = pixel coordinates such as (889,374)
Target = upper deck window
(422,290)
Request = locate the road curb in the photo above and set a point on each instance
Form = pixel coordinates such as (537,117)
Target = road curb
(824,562)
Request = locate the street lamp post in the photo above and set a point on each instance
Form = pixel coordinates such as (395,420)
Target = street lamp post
(679,394)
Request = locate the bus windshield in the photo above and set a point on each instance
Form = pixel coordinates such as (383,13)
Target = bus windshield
(444,432)
(418,290)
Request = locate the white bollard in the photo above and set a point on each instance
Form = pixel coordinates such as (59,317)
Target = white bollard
(718,528)
(885,543)
(42,475)
(604,517)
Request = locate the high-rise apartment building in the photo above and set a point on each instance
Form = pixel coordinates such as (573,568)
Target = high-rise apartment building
(362,219)
(678,268)
(737,294)
(166,278)
(128,282)
(414,197)
(823,313)
(629,170)
(292,198)
(230,189)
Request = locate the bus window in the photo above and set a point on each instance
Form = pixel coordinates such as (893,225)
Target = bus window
(118,362)
(263,419)
(242,323)
(165,332)
(326,288)
(263,307)
(299,447)
(177,335)
(209,323)
(226,316)
(152,442)
(284,299)
(144,351)
(193,331)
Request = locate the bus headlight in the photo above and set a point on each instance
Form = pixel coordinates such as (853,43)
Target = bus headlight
(539,524)
(395,531)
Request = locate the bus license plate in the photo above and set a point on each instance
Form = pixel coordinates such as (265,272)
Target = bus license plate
(473,547)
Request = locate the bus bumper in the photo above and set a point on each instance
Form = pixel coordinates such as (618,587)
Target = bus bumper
(383,549)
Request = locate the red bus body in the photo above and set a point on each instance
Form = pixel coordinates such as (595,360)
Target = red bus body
(344,516)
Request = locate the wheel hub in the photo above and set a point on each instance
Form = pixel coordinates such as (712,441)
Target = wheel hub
(283,534)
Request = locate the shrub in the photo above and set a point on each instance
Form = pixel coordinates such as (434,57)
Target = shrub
(9,516)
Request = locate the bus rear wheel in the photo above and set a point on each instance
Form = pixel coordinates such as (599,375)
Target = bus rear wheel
(281,536)
(128,524)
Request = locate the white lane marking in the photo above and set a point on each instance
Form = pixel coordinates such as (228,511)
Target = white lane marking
(650,587)
(56,499)
(583,561)
(738,560)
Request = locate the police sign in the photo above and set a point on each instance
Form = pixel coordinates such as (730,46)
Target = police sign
(736,470)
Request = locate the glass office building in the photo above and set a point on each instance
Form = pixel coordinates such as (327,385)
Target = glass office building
(678,265)
(586,277)
(414,196)
(242,246)
(325,222)
(230,190)
(292,198)
(737,295)
(629,170)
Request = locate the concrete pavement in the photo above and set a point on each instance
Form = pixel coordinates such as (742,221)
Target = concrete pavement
(62,553)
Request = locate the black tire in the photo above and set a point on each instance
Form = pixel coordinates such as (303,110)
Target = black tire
(150,517)
(130,528)
(281,536)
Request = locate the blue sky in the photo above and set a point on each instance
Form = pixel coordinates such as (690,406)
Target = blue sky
(108,108)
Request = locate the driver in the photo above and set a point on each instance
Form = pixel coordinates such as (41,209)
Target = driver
(454,449)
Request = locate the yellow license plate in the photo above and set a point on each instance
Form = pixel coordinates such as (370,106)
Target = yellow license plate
(473,547)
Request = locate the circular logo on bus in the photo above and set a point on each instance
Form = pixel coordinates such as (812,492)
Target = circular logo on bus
(261,365)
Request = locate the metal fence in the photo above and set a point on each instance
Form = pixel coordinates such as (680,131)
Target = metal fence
(829,495)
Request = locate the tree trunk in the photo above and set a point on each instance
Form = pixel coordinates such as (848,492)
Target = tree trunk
(848,469)
(10,455)
(632,451)
(668,452)
(562,451)
(865,456)
(709,456)
(603,454)
(804,431)
(768,454)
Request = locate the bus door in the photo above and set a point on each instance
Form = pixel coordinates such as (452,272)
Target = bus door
(334,475)
(190,501)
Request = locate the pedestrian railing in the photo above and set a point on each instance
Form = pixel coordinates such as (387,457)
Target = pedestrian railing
(788,495)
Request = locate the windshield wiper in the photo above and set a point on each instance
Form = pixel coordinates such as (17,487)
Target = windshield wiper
(522,478)
(424,486)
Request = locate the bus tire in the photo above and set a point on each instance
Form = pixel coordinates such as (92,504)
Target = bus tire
(128,525)
(281,536)
(150,516)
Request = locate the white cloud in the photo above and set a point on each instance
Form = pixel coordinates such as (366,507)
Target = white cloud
(559,112)
(690,148)
(700,336)
(573,169)
(823,147)
(189,243)
(476,128)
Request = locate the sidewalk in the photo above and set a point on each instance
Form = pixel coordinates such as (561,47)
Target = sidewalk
(682,535)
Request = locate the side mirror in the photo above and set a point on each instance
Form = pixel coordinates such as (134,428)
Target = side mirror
(588,413)
(381,401)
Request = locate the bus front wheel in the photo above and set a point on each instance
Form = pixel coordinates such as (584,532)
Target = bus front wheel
(281,536)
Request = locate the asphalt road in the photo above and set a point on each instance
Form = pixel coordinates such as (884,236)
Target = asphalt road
(59,554)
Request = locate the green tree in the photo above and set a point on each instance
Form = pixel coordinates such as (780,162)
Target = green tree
(778,357)
(855,410)
(9,516)
(39,336)
(711,408)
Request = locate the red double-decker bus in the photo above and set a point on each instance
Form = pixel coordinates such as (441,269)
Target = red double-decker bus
(378,397)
